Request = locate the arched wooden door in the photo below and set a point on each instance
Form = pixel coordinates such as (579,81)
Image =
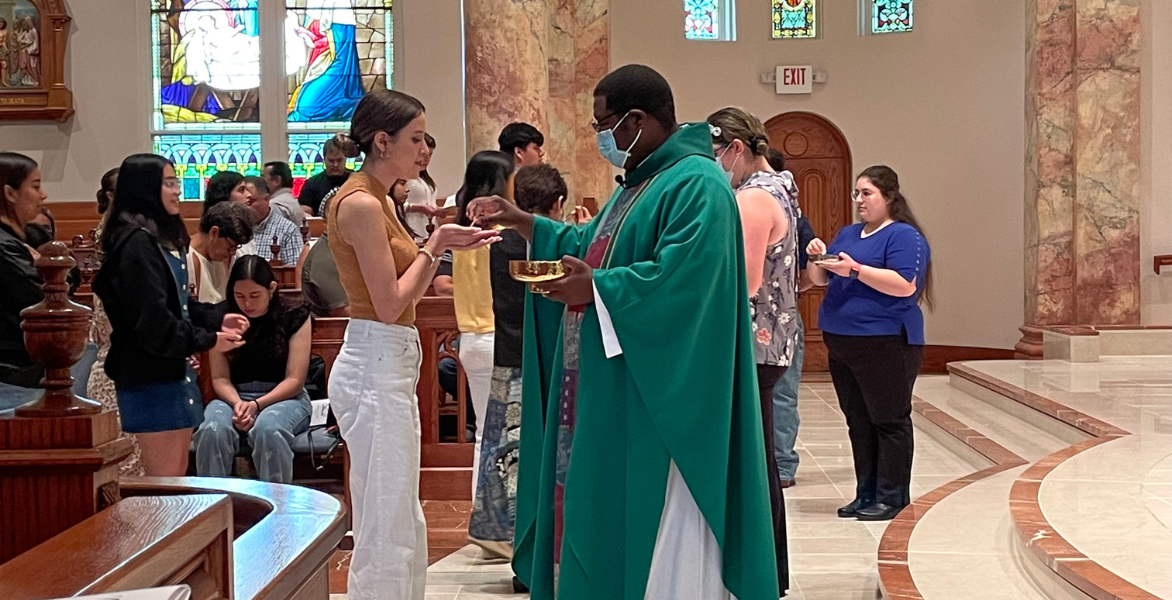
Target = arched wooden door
(820,159)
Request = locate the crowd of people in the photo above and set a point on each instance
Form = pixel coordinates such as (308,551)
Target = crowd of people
(666,361)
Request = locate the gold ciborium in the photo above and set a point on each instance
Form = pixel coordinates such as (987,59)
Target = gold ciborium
(534,272)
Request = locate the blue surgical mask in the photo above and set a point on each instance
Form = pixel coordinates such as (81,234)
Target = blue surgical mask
(608,148)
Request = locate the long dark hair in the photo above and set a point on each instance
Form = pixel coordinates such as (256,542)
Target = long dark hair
(283,317)
(885,178)
(487,175)
(424,175)
(138,202)
(15,169)
(400,209)
(103,194)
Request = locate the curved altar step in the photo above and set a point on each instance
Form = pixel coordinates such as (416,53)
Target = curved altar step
(958,541)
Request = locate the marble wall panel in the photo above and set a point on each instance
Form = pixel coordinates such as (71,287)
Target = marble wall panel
(538,61)
(1050,124)
(506,57)
(1082,162)
(1106,228)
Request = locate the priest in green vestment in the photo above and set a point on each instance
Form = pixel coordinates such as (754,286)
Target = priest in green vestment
(642,471)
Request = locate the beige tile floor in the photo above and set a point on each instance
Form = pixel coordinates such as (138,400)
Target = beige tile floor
(1112,502)
(830,558)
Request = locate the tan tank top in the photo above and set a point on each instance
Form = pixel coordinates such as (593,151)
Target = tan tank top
(403,249)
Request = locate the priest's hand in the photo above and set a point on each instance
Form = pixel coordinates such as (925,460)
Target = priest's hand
(576,288)
(494,211)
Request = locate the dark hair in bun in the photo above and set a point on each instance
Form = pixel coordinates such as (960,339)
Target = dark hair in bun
(383,110)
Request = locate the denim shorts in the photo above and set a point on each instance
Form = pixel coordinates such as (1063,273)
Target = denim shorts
(163,406)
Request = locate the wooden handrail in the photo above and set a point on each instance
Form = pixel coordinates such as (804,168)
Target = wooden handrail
(275,552)
(137,543)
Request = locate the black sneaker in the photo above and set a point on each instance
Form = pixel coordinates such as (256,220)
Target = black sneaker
(851,510)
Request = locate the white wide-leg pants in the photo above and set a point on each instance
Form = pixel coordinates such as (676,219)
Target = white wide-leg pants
(372,393)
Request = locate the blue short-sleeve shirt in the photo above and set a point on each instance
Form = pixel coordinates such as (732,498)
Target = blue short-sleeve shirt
(852,307)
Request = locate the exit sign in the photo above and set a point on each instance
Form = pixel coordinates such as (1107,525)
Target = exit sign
(795,80)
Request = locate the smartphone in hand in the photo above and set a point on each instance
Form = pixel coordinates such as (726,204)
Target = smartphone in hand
(825,258)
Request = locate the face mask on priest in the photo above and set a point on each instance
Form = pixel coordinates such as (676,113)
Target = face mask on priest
(608,147)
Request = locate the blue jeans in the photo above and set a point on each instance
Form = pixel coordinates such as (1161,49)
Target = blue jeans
(12,396)
(785,410)
(217,440)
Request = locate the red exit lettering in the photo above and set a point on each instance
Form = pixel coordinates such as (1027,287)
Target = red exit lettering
(794,76)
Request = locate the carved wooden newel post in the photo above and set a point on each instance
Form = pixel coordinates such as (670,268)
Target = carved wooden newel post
(55,333)
(59,455)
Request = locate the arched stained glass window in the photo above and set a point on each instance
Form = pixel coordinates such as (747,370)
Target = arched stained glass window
(335,52)
(890,16)
(710,20)
(795,19)
(206,65)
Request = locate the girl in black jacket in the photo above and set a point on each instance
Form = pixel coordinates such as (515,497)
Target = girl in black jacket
(143,286)
(20,199)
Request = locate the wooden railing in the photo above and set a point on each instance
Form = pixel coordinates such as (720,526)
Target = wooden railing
(65,530)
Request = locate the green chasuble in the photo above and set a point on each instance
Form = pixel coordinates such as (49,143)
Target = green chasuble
(684,389)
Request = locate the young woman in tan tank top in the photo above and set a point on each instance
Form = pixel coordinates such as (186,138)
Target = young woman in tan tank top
(372,385)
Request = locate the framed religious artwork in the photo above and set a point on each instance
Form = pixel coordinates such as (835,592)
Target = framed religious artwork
(32,61)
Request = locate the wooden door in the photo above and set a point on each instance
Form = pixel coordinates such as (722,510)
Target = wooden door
(820,159)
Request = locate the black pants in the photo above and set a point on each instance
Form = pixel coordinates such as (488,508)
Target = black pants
(873,377)
(767,378)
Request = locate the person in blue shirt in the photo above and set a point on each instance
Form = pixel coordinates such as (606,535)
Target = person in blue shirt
(871,322)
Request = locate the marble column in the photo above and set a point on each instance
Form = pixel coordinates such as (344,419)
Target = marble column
(537,61)
(1082,165)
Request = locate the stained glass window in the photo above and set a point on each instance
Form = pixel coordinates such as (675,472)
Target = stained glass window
(710,20)
(891,16)
(199,156)
(306,158)
(335,52)
(206,64)
(795,19)
(702,22)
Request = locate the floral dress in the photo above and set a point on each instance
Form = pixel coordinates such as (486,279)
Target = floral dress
(774,308)
(101,388)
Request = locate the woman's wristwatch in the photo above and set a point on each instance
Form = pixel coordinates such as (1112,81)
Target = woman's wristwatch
(855,271)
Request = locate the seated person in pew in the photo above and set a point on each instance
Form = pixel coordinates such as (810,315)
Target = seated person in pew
(228,186)
(318,277)
(261,385)
(270,225)
(223,229)
(41,230)
(20,198)
(279,177)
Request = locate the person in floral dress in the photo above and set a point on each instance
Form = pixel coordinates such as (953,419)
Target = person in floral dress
(769,222)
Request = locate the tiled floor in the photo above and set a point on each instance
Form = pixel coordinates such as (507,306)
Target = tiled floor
(1112,501)
(830,558)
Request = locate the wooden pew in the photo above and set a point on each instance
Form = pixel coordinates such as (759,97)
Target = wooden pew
(58,469)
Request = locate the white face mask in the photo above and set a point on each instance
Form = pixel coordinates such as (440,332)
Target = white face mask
(728,173)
